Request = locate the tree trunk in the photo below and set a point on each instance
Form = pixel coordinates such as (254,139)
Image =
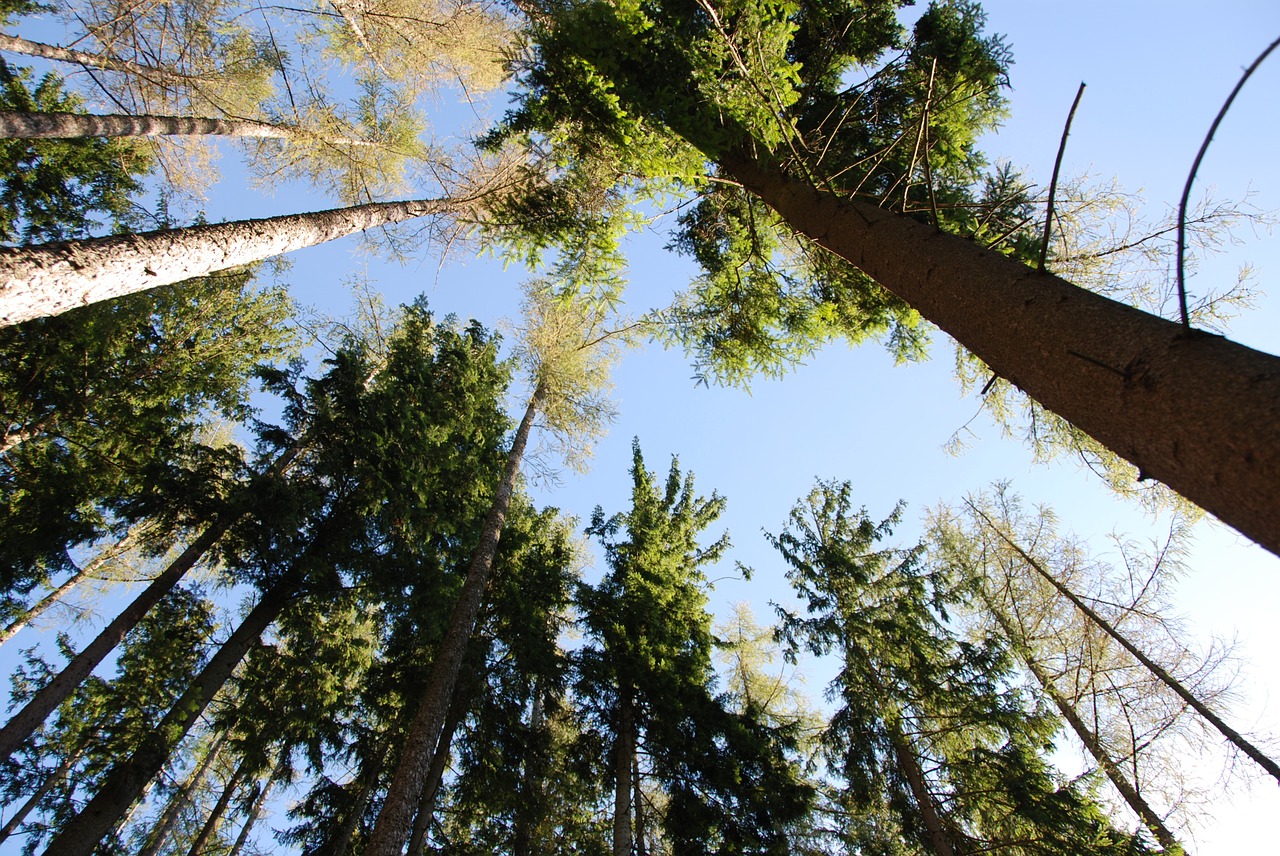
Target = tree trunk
(214,820)
(19,45)
(1232,736)
(1193,410)
(50,781)
(44,702)
(624,749)
(396,818)
(1091,741)
(48,279)
(528,794)
(181,798)
(371,769)
(910,767)
(128,542)
(638,799)
(128,779)
(255,808)
(458,707)
(62,126)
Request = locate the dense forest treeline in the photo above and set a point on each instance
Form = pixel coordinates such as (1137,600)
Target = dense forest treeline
(354,631)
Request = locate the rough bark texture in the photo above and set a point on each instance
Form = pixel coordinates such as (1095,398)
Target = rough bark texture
(128,779)
(52,694)
(396,818)
(1232,736)
(1193,410)
(54,126)
(49,279)
(427,806)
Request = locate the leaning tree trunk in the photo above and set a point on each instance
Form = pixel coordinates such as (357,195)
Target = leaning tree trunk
(939,842)
(48,279)
(214,820)
(1193,410)
(28,719)
(181,798)
(50,781)
(26,47)
(15,124)
(1231,735)
(396,818)
(127,780)
(256,805)
(125,544)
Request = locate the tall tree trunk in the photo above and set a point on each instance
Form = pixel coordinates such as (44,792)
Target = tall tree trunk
(624,749)
(938,839)
(458,707)
(48,279)
(256,805)
(1232,736)
(180,799)
(125,544)
(396,818)
(528,795)
(214,820)
(1090,740)
(16,124)
(1193,410)
(128,779)
(26,47)
(44,702)
(50,781)
(370,770)
(638,799)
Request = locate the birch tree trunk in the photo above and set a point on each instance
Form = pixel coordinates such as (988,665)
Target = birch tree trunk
(128,779)
(1193,410)
(396,818)
(48,279)
(16,124)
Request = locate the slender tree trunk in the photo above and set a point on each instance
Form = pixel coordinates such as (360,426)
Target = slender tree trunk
(61,126)
(26,47)
(44,702)
(458,707)
(938,839)
(638,799)
(48,279)
(50,781)
(181,798)
(125,544)
(370,770)
(214,820)
(624,749)
(261,790)
(1193,410)
(396,818)
(1232,736)
(528,796)
(128,779)
(1087,736)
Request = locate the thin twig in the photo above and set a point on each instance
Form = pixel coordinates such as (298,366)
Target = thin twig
(1053,184)
(1186,191)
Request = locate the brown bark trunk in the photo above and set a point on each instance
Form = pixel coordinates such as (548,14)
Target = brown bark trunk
(41,792)
(624,749)
(48,279)
(1232,736)
(638,800)
(370,770)
(1195,411)
(255,809)
(128,779)
(431,789)
(180,799)
(396,818)
(61,126)
(29,718)
(214,820)
(128,542)
(938,839)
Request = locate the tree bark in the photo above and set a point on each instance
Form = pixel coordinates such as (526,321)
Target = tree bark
(61,126)
(371,769)
(624,749)
(1193,410)
(458,707)
(910,767)
(26,47)
(128,542)
(255,809)
(128,779)
(396,818)
(1232,736)
(48,279)
(638,801)
(44,702)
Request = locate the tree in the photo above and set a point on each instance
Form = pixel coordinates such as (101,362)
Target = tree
(762,97)
(929,724)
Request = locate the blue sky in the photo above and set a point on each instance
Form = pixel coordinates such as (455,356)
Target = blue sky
(1157,73)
